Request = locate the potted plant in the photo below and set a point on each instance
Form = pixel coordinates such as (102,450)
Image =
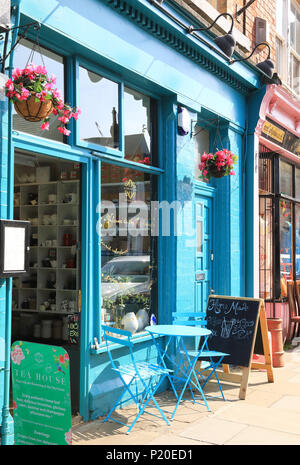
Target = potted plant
(217,165)
(36,98)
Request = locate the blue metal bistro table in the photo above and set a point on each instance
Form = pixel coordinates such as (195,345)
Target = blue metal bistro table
(179,332)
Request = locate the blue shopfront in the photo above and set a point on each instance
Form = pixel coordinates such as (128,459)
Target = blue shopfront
(121,223)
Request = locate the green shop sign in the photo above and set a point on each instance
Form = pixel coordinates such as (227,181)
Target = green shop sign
(41,394)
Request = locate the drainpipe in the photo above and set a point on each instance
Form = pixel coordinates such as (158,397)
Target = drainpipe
(8,300)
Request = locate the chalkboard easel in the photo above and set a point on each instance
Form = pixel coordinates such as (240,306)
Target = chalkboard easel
(239,325)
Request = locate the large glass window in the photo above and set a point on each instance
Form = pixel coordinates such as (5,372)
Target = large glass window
(266,247)
(297,184)
(279,224)
(99,103)
(297,238)
(286,240)
(128,249)
(54,64)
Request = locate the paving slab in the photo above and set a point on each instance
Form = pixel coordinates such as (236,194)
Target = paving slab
(291,403)
(274,419)
(259,436)
(213,430)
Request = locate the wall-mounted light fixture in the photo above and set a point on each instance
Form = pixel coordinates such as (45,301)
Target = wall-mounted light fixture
(226,42)
(267,66)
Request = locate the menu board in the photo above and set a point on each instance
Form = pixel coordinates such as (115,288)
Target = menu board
(233,322)
(41,394)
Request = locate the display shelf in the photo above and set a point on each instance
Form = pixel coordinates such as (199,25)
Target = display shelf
(54,251)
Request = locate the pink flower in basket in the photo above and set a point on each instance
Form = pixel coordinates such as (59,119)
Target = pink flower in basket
(34,83)
(217,165)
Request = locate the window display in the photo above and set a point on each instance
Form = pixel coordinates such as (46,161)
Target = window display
(128,251)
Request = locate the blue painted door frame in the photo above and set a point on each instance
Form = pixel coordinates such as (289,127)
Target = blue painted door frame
(203,250)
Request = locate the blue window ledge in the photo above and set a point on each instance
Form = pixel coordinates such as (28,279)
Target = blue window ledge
(140,337)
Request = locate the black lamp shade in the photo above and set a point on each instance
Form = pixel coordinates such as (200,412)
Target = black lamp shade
(267,67)
(226,43)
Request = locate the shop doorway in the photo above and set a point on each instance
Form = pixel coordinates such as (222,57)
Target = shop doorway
(46,304)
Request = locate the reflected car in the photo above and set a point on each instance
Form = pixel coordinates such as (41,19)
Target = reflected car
(125,275)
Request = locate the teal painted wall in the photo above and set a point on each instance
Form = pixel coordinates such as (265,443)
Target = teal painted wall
(92,30)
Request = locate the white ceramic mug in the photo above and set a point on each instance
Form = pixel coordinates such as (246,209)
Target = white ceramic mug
(52,198)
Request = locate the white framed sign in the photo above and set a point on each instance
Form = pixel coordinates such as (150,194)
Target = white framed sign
(14,248)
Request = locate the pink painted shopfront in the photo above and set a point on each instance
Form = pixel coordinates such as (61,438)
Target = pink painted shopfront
(278,132)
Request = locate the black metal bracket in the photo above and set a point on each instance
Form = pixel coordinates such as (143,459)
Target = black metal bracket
(5,34)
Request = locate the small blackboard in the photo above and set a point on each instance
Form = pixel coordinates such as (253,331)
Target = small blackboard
(233,323)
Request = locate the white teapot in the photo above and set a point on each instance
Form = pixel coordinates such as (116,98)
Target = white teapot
(130,322)
(142,318)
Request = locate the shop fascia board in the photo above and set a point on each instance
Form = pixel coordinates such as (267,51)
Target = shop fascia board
(148,17)
(202,10)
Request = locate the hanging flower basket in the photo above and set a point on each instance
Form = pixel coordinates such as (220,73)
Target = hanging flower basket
(33,109)
(217,165)
(36,98)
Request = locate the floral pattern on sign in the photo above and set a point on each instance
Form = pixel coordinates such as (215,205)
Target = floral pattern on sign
(62,362)
(17,355)
(68,437)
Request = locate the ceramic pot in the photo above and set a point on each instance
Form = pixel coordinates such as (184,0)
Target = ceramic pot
(130,322)
(142,318)
(275,328)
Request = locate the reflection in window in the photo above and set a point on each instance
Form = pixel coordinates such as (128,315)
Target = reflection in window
(286,178)
(128,250)
(294,19)
(286,243)
(138,121)
(55,65)
(297,228)
(297,184)
(265,248)
(99,103)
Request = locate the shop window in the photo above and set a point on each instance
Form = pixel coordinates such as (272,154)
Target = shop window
(286,178)
(99,103)
(266,247)
(54,64)
(297,236)
(128,249)
(286,241)
(297,184)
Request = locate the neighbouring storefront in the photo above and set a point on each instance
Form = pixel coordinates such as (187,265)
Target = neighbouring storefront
(279,209)
(122,226)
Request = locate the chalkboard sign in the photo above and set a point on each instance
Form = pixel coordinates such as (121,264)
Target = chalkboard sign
(233,323)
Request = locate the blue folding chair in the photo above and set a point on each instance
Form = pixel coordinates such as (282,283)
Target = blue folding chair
(210,359)
(140,380)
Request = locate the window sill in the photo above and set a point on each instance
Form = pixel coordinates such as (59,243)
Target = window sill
(141,337)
